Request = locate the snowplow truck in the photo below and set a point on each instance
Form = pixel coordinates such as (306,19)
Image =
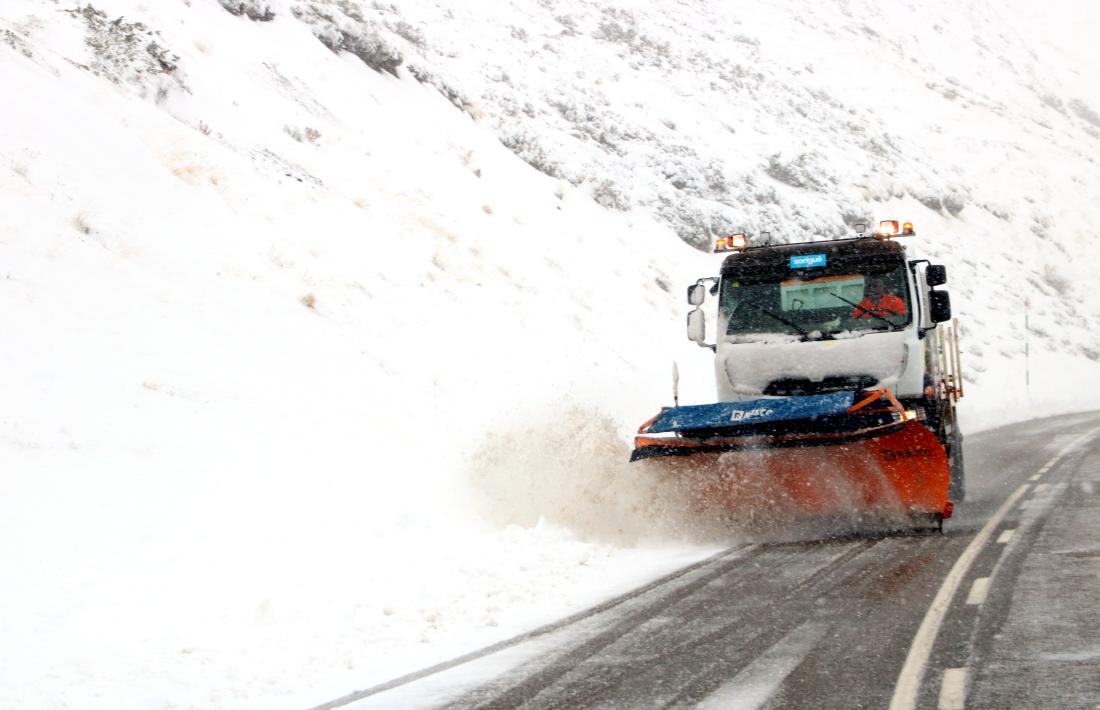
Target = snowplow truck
(838,373)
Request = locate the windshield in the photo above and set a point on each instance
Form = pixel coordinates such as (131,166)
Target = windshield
(809,306)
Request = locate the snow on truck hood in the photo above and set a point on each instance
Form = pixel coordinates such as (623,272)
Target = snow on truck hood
(744,369)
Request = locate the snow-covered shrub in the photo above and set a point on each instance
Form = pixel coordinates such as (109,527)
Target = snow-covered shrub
(303,135)
(617,26)
(128,52)
(1053,102)
(412,35)
(1001,212)
(714,176)
(621,27)
(682,175)
(592,121)
(692,174)
(1053,278)
(16,42)
(954,203)
(807,171)
(375,52)
(258,10)
(932,202)
(607,194)
(880,187)
(949,200)
(855,216)
(526,145)
(512,108)
(457,98)
(948,92)
(880,149)
(1085,112)
(568,23)
(697,221)
(341,26)
(763,196)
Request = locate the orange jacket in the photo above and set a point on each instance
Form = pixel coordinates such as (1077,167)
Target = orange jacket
(890,305)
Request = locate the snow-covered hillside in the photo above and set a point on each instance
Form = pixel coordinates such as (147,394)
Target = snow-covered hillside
(327,322)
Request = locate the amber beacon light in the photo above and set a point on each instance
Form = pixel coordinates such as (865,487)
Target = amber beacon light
(888,227)
(734,242)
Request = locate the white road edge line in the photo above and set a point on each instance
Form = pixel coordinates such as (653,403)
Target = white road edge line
(978,591)
(1037,476)
(909,679)
(953,689)
(755,684)
(1006,536)
(916,662)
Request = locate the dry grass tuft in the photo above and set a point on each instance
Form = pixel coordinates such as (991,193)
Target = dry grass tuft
(83,223)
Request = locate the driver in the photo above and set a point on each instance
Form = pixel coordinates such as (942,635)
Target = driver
(878,302)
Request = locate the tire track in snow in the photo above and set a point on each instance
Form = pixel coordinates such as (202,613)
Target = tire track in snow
(669,579)
(691,643)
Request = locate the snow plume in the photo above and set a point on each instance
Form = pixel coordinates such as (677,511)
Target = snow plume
(574,471)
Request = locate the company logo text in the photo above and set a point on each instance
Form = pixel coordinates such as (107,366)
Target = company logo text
(740,415)
(893,455)
(806,261)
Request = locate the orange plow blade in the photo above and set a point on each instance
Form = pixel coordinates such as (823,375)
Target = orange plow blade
(903,472)
(888,468)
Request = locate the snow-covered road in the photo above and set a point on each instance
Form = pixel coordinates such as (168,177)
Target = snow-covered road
(995,613)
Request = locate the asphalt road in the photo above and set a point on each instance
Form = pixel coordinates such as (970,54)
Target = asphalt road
(997,612)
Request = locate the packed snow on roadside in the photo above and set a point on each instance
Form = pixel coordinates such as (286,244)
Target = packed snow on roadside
(328,323)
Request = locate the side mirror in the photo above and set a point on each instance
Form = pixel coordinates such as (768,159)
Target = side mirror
(696,294)
(939,306)
(697,327)
(935,274)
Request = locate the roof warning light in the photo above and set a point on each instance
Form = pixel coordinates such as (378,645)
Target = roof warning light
(734,242)
(889,228)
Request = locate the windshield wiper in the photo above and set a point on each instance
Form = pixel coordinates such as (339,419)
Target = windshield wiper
(779,318)
(893,326)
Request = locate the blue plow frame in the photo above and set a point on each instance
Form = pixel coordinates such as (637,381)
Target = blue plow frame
(752,413)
